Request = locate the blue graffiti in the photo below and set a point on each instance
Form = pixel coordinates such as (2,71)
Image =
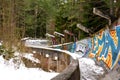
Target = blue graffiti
(108,43)
(118,35)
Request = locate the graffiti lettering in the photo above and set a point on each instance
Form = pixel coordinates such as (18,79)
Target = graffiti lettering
(106,46)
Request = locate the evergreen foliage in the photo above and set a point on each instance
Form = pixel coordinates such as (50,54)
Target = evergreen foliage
(32,18)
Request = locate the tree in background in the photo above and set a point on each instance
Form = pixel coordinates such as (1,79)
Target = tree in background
(11,24)
(69,14)
(40,17)
(114,7)
(22,18)
(90,20)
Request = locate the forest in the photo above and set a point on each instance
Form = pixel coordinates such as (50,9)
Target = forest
(35,18)
(39,22)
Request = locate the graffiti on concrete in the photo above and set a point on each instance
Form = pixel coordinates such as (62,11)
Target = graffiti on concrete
(79,46)
(106,46)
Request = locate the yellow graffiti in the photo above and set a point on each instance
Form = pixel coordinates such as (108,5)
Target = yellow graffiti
(91,55)
(109,60)
(114,37)
(99,50)
(106,46)
(100,34)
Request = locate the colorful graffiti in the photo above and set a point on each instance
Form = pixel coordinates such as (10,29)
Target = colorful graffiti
(74,47)
(106,46)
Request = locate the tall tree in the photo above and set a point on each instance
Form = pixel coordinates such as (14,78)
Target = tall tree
(91,20)
(114,7)
(40,16)
(10,22)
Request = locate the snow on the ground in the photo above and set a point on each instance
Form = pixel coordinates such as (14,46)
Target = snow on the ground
(89,70)
(30,57)
(37,42)
(9,72)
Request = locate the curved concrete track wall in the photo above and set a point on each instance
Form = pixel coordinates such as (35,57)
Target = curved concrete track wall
(56,60)
(106,46)
(70,73)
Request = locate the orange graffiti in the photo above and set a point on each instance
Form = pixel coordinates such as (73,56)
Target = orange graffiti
(100,34)
(99,50)
(91,55)
(109,60)
(101,58)
(114,37)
